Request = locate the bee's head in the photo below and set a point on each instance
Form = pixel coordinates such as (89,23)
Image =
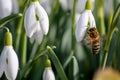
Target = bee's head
(92,32)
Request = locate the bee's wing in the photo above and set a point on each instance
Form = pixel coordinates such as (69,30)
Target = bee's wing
(87,41)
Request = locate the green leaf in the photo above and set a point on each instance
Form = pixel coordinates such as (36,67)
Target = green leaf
(9,18)
(68,60)
(115,17)
(25,69)
(73,69)
(39,70)
(110,34)
(56,63)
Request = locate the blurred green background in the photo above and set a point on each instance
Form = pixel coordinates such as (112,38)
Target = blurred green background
(76,58)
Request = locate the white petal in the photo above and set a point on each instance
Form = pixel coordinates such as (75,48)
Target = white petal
(5,8)
(91,20)
(81,5)
(11,67)
(15,6)
(77,16)
(32,38)
(30,20)
(81,26)
(2,61)
(38,35)
(43,18)
(48,74)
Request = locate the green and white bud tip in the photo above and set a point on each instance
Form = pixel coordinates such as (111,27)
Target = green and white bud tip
(48,63)
(8,39)
(88,5)
(34,0)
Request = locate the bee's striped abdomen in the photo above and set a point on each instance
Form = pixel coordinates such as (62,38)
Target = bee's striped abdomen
(95,47)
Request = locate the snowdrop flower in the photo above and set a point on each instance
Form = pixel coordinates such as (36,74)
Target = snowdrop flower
(85,19)
(48,72)
(77,16)
(8,59)
(80,6)
(7,7)
(36,22)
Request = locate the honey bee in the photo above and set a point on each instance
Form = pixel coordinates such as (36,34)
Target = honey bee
(94,38)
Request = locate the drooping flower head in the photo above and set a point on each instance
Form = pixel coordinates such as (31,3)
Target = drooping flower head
(48,72)
(8,59)
(85,19)
(36,22)
(7,7)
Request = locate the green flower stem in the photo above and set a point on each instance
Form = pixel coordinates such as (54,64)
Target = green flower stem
(19,27)
(28,64)
(23,49)
(68,60)
(6,28)
(21,38)
(54,11)
(56,63)
(73,24)
(110,19)
(107,45)
(9,18)
(110,34)
(34,49)
(41,63)
(73,39)
(101,17)
(71,70)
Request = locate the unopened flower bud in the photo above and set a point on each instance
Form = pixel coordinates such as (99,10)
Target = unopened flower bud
(88,5)
(48,63)
(8,39)
(48,73)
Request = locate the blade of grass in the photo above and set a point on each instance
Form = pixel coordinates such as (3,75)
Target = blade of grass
(56,63)
(68,60)
(110,35)
(28,64)
(9,18)
(41,64)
